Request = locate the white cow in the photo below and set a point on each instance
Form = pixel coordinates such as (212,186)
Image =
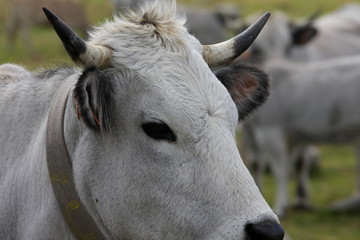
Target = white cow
(332,35)
(149,130)
(310,103)
(338,34)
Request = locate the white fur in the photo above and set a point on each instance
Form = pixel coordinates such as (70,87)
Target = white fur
(135,187)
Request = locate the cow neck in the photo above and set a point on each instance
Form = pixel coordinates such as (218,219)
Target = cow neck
(60,169)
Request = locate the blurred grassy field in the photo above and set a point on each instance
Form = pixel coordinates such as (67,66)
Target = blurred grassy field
(336,179)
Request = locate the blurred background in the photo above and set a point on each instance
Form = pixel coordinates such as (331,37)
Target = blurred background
(27,39)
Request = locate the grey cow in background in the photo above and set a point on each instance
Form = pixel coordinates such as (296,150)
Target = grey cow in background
(332,35)
(338,34)
(306,107)
(282,48)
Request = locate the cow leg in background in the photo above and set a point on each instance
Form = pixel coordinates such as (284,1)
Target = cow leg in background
(272,148)
(352,203)
(304,158)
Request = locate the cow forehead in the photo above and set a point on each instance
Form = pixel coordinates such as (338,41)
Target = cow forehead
(142,37)
(188,98)
(154,43)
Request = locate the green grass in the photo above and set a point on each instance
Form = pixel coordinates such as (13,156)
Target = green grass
(47,50)
(336,179)
(322,225)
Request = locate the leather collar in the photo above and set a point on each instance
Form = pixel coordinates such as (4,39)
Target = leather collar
(60,169)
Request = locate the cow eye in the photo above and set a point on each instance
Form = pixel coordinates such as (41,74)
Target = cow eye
(159,131)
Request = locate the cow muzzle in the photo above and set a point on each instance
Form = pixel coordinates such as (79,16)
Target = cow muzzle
(264,230)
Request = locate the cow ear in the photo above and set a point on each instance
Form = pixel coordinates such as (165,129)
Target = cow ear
(93,99)
(221,19)
(302,35)
(247,85)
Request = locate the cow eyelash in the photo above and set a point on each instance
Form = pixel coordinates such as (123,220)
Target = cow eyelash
(159,131)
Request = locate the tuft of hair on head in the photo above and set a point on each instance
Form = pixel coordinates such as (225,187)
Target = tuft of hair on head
(157,22)
(159,15)
(155,10)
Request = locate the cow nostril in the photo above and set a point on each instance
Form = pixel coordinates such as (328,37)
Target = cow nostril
(265,231)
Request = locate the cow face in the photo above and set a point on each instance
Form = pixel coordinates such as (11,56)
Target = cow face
(154,152)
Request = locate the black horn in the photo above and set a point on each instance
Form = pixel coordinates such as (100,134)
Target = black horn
(244,40)
(221,53)
(73,44)
(82,53)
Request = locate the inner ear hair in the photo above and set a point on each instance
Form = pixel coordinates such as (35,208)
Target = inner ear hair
(93,95)
(247,85)
(304,34)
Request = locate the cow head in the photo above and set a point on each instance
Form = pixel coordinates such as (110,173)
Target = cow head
(152,131)
(279,37)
